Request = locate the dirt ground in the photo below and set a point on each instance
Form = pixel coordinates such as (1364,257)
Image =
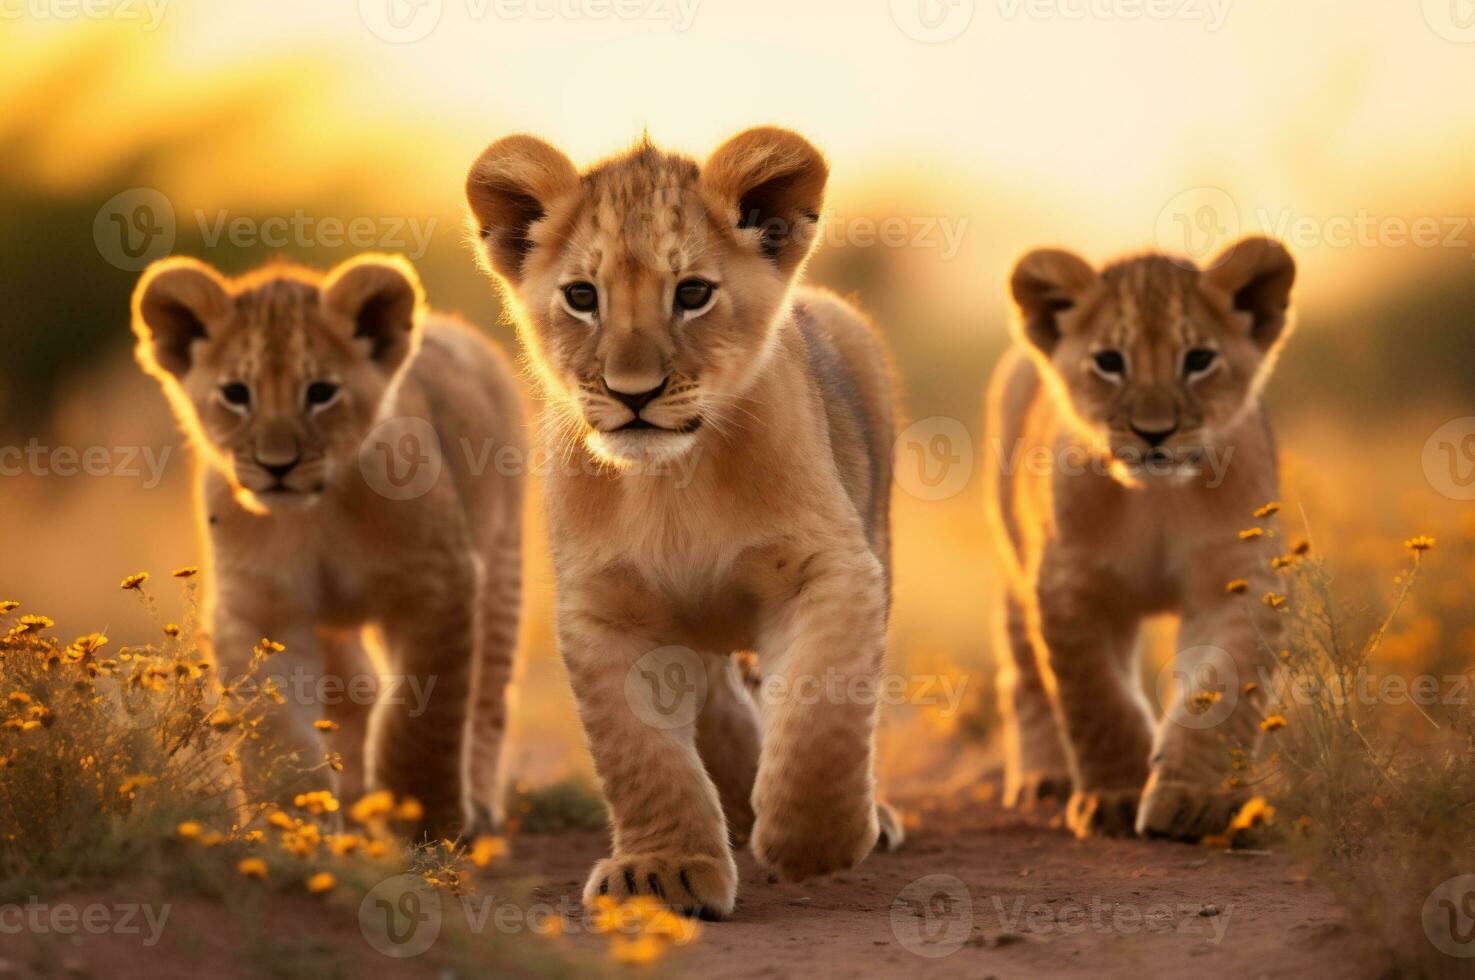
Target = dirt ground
(975,892)
(1018,897)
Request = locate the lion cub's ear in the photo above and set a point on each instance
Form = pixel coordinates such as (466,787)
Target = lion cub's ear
(510,188)
(1046,284)
(1256,275)
(772,180)
(377,299)
(178,301)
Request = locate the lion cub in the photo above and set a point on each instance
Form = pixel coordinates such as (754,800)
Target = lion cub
(328,413)
(1132,451)
(726,487)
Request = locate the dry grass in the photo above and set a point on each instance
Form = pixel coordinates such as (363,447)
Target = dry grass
(121,764)
(1371,759)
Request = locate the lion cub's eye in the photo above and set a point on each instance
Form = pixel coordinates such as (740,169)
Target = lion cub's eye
(235,393)
(693,294)
(582,297)
(1110,362)
(320,393)
(1199,360)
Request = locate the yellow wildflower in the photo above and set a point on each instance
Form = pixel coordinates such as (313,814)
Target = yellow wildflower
(409,810)
(7,605)
(317,801)
(1251,533)
(1301,548)
(18,697)
(1238,586)
(641,949)
(171,629)
(134,581)
(252,868)
(1273,600)
(1273,723)
(1255,813)
(188,571)
(484,850)
(35,624)
(1268,510)
(189,830)
(321,882)
(1419,544)
(375,805)
(324,725)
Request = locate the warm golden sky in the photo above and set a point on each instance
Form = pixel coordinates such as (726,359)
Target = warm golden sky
(1078,121)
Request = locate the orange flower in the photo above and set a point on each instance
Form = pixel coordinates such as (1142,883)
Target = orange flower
(252,868)
(1268,510)
(134,581)
(324,725)
(1251,533)
(1419,543)
(1238,586)
(484,850)
(188,830)
(188,571)
(1273,600)
(1273,723)
(1255,813)
(321,882)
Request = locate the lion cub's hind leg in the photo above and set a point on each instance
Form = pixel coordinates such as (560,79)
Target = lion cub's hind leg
(1036,766)
(729,739)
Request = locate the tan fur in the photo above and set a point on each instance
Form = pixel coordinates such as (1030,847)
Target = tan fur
(753,518)
(314,562)
(1096,533)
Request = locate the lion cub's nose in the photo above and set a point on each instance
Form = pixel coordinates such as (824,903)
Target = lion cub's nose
(1155,437)
(636,400)
(279,470)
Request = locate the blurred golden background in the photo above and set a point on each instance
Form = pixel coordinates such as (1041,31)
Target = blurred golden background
(960,133)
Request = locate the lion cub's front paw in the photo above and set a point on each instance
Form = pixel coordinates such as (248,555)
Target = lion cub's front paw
(1027,790)
(1185,811)
(892,833)
(692,885)
(1102,813)
(822,849)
